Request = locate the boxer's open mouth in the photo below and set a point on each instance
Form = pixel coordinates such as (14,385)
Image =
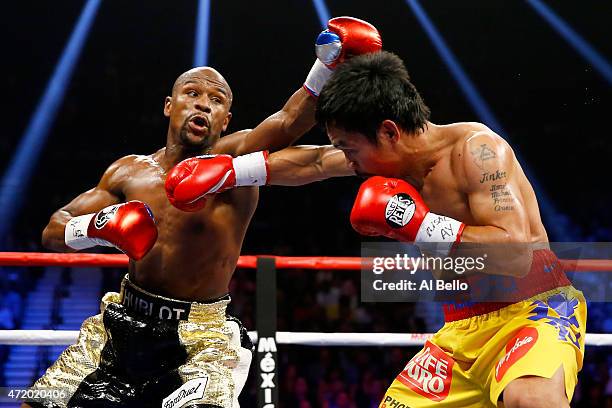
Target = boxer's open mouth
(198,123)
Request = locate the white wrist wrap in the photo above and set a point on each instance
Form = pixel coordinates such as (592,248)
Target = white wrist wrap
(75,233)
(317,77)
(439,229)
(251,169)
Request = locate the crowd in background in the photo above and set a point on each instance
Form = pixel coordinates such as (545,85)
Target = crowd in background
(329,301)
(14,285)
(357,377)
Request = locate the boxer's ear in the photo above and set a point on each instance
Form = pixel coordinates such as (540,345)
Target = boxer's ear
(388,131)
(226,121)
(167,106)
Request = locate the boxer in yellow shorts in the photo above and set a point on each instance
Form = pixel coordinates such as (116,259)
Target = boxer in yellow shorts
(448,184)
(474,357)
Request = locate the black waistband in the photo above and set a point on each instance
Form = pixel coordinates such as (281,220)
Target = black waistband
(144,303)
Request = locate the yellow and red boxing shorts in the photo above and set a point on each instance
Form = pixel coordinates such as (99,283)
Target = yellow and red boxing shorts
(476,354)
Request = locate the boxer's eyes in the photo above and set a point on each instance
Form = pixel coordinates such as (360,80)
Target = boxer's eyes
(192,93)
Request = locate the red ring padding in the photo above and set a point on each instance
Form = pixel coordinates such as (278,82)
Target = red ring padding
(245,261)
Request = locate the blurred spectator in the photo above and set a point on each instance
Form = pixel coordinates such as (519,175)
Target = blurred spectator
(336,377)
(7,321)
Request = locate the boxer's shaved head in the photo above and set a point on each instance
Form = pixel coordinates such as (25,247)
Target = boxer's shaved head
(206,75)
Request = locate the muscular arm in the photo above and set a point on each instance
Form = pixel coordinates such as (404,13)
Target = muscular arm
(493,192)
(497,207)
(106,193)
(277,131)
(299,165)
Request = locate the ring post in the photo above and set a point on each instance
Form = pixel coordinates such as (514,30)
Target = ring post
(267,362)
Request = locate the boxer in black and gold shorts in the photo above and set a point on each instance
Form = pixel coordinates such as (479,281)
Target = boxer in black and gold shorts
(148,350)
(144,349)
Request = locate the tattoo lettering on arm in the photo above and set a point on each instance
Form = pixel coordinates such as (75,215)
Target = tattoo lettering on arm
(497,175)
(493,191)
(482,154)
(502,198)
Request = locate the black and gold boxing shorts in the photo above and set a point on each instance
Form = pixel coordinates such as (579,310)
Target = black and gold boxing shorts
(145,350)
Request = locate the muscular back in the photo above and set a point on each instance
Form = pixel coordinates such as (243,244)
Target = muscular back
(195,253)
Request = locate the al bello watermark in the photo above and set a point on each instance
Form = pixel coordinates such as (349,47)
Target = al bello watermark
(387,269)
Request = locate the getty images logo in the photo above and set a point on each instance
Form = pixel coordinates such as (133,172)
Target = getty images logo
(191,390)
(267,365)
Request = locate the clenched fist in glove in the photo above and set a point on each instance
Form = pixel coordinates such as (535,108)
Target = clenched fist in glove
(395,209)
(190,181)
(129,227)
(344,37)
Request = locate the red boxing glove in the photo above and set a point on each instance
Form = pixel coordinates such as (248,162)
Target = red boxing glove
(395,209)
(356,37)
(129,227)
(190,181)
(345,37)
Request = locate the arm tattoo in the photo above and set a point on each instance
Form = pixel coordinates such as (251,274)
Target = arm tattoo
(487,176)
(482,154)
(502,198)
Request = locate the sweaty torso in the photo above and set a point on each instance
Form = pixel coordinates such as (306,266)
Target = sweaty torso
(444,186)
(196,253)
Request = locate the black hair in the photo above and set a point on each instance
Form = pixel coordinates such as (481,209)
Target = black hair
(370,88)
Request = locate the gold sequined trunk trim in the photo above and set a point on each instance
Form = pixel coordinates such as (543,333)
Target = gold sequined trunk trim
(78,360)
(206,338)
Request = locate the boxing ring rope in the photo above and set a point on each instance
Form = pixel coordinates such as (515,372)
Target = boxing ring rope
(321,339)
(266,337)
(245,261)
(65,337)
